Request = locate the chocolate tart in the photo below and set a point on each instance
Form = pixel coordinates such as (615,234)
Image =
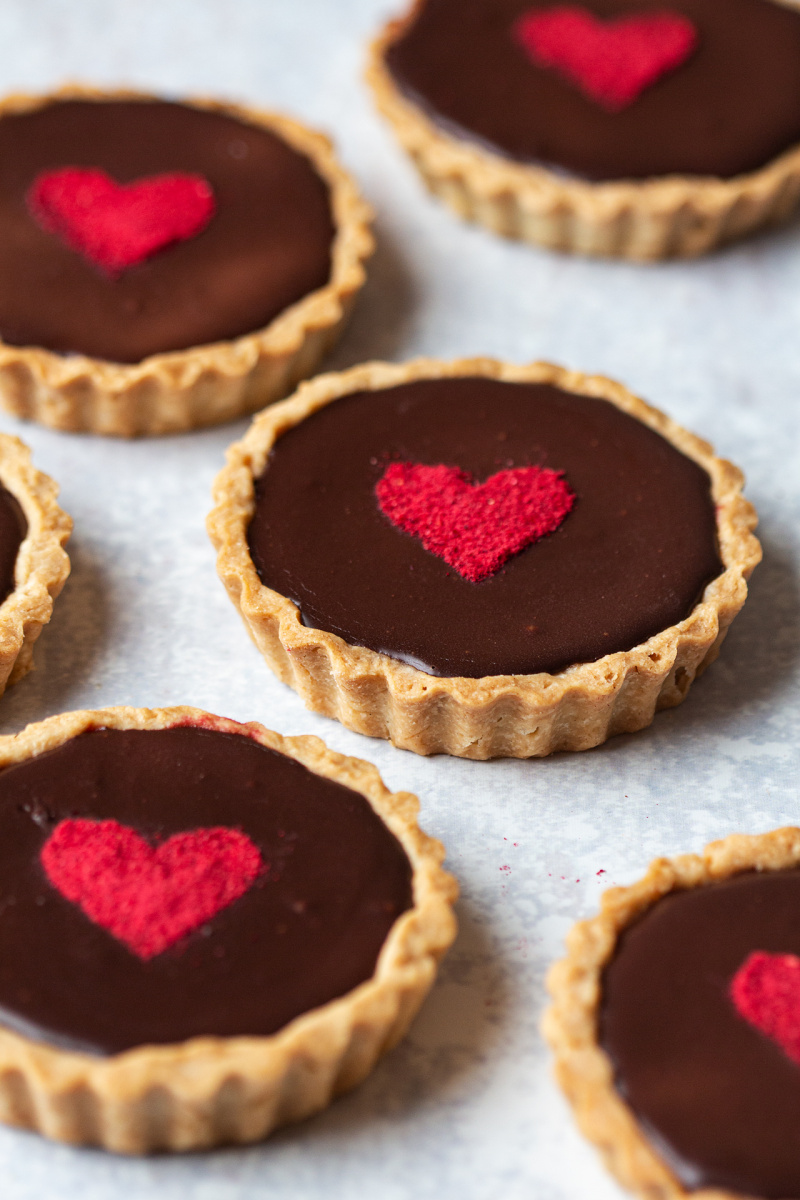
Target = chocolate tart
(682,1094)
(174,1022)
(583,635)
(692,163)
(33,563)
(204,330)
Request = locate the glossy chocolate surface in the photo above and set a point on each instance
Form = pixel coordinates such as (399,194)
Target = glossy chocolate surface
(13,531)
(731,108)
(307,931)
(268,245)
(631,558)
(719,1100)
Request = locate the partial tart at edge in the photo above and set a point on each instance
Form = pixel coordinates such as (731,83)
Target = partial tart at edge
(634,1149)
(209,1090)
(202,384)
(666,216)
(41,566)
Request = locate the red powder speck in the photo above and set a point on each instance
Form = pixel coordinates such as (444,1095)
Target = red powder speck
(505,868)
(117,225)
(149,897)
(475,528)
(602,871)
(611,61)
(766,992)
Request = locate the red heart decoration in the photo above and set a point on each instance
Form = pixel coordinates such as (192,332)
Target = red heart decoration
(612,62)
(766,992)
(118,225)
(149,897)
(474,527)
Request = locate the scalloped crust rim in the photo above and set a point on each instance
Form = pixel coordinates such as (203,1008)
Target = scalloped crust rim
(515,716)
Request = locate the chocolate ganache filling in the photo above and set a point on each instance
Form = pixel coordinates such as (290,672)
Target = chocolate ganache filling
(732,107)
(630,559)
(267,246)
(13,531)
(308,930)
(718,1099)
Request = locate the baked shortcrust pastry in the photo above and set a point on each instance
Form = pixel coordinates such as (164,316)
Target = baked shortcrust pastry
(166,265)
(641,129)
(33,563)
(206,930)
(676,1023)
(481,559)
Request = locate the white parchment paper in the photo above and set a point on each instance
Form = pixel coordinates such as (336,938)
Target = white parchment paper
(465,1107)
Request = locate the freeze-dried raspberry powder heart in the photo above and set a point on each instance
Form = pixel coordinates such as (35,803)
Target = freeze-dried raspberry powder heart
(117,225)
(149,897)
(766,992)
(475,528)
(612,62)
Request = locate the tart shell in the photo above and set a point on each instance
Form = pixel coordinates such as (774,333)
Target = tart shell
(583,1069)
(202,385)
(511,716)
(42,565)
(664,217)
(209,1091)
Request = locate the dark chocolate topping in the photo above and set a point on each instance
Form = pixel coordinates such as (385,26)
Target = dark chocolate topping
(13,531)
(267,247)
(719,1099)
(731,108)
(307,931)
(631,559)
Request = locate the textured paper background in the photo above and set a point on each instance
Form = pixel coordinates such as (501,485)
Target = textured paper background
(465,1108)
